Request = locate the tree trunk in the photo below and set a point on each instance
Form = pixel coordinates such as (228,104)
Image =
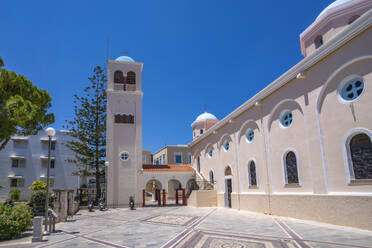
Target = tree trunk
(98,184)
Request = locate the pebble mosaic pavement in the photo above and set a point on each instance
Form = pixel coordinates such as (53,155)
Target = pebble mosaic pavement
(184,227)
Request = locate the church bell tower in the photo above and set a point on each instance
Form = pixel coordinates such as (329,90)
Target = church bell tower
(124,131)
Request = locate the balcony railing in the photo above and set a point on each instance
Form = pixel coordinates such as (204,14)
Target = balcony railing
(124,87)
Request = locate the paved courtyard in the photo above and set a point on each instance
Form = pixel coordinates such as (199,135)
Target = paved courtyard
(195,227)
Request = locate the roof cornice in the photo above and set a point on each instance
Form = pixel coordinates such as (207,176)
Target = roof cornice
(357,27)
(126,63)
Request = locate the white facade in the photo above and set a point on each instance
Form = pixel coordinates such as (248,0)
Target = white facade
(24,160)
(302,146)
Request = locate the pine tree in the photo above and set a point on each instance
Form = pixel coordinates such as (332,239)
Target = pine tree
(88,129)
(23,106)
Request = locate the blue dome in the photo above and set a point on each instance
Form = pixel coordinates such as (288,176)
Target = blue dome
(125,59)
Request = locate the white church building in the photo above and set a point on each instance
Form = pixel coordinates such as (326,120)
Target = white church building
(301,147)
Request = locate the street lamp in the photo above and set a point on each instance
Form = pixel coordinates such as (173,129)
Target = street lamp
(107,163)
(50,132)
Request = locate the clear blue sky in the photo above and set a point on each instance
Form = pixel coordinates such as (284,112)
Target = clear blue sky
(195,53)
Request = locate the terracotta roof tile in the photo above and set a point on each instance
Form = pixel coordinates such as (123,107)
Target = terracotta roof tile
(167,167)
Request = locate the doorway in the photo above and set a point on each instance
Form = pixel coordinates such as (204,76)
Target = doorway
(228,186)
(228,190)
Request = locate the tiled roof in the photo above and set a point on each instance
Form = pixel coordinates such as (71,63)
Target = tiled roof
(167,167)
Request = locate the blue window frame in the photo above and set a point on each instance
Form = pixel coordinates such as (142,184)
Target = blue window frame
(249,135)
(178,158)
(352,89)
(210,152)
(226,145)
(286,119)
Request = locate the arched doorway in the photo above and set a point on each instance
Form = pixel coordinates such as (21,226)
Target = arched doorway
(173,186)
(198,164)
(228,186)
(211,177)
(153,188)
(190,186)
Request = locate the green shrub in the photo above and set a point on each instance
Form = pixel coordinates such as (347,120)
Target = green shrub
(14,221)
(37,185)
(38,201)
(15,194)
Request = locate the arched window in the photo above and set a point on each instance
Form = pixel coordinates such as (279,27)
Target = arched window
(228,171)
(117,118)
(318,41)
(226,145)
(361,156)
(118,77)
(130,118)
(291,168)
(211,177)
(124,118)
(210,152)
(198,164)
(252,174)
(352,19)
(131,77)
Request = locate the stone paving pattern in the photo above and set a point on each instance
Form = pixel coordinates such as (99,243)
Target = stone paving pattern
(184,227)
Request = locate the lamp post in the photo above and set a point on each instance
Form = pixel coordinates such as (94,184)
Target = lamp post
(107,163)
(50,132)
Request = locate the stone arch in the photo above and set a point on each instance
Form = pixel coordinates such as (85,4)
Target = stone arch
(323,91)
(247,124)
(330,85)
(151,188)
(190,186)
(207,147)
(173,186)
(292,104)
(223,139)
(196,154)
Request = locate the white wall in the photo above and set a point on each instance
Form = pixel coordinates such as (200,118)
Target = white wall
(32,149)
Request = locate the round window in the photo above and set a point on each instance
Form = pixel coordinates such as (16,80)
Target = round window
(249,135)
(286,119)
(226,145)
(124,156)
(210,152)
(352,89)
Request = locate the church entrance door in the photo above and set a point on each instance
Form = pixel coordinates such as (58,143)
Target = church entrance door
(228,190)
